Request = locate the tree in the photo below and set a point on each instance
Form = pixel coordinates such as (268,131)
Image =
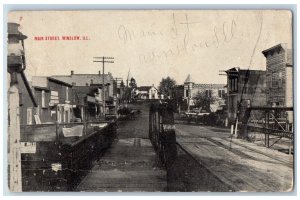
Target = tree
(204,99)
(132,83)
(166,86)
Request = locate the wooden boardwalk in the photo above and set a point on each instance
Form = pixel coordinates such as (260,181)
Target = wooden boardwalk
(130,165)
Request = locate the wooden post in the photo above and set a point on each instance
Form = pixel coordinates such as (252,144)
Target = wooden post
(15,182)
(236,128)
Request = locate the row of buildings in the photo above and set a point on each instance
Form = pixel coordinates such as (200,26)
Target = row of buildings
(67,98)
(272,87)
(246,87)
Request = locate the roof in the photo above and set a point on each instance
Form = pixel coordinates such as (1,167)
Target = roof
(41,88)
(288,52)
(13,30)
(84,79)
(273,48)
(207,85)
(144,88)
(237,70)
(42,82)
(188,79)
(234,69)
(85,89)
(59,81)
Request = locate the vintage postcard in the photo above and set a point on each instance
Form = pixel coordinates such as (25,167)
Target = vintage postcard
(150,101)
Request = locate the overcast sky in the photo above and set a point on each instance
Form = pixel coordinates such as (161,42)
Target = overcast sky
(152,44)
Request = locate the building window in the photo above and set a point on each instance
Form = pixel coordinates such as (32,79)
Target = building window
(20,99)
(269,80)
(187,93)
(43,99)
(233,85)
(208,93)
(276,79)
(221,93)
(67,93)
(29,116)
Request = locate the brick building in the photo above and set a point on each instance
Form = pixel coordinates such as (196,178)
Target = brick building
(189,91)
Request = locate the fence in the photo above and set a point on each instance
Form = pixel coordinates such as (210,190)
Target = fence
(63,154)
(162,133)
(268,121)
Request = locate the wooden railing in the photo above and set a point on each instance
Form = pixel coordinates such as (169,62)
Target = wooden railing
(60,160)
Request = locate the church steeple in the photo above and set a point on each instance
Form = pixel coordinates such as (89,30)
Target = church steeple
(188,79)
(129,77)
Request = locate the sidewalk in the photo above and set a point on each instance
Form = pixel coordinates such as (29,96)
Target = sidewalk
(130,164)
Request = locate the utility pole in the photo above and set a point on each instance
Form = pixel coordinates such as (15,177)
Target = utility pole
(118,95)
(103,60)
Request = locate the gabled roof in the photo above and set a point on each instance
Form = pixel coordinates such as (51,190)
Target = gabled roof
(42,81)
(59,81)
(144,88)
(84,79)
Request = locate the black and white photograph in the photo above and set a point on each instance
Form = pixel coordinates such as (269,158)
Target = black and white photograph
(150,101)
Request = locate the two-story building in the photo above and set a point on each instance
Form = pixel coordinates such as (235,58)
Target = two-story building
(245,88)
(55,99)
(279,80)
(279,77)
(147,92)
(191,90)
(89,89)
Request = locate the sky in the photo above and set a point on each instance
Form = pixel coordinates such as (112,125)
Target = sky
(152,44)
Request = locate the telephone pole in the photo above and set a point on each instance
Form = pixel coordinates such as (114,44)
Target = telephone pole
(103,60)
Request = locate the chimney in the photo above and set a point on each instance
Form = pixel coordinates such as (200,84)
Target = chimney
(91,81)
(99,72)
(72,72)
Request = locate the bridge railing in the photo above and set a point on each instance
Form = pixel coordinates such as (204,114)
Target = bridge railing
(162,132)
